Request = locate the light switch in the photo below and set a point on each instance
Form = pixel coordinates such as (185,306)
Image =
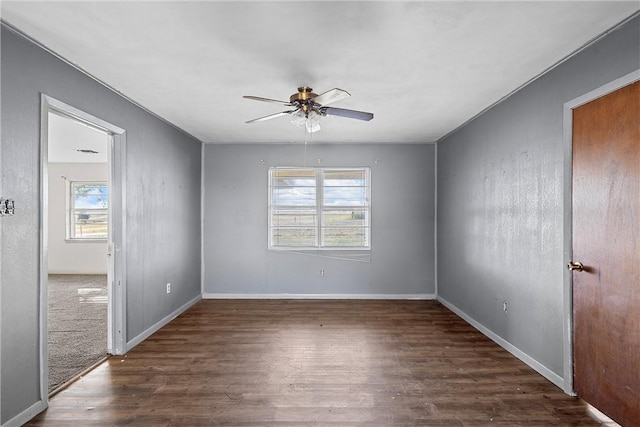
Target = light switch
(7,207)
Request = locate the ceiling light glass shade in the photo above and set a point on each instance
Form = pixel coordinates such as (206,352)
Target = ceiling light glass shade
(309,121)
(313,124)
(298,118)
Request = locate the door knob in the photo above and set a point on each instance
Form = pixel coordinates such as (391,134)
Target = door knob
(577,266)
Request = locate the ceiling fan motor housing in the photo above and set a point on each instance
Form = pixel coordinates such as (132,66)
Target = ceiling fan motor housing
(304,98)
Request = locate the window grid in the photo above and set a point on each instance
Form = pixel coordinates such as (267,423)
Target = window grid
(87,210)
(342,223)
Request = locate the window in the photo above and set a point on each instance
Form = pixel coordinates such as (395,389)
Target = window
(319,208)
(88,210)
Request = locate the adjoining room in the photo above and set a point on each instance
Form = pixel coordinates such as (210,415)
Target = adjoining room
(77,170)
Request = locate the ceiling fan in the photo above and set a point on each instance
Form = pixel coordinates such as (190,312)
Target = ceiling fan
(307,106)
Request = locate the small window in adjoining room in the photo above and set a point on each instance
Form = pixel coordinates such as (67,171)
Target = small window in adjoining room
(88,216)
(319,208)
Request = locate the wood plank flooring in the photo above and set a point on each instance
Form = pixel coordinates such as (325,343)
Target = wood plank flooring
(323,363)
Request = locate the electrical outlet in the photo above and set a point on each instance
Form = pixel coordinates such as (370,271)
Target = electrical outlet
(322,273)
(168,288)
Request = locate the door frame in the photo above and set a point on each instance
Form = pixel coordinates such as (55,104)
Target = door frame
(567,137)
(116,335)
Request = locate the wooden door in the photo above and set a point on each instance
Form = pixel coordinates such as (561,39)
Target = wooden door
(606,240)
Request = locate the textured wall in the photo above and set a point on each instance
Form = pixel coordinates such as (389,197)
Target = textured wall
(163,209)
(500,203)
(236,259)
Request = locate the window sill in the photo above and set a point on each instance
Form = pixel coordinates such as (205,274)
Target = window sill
(359,254)
(323,250)
(85,240)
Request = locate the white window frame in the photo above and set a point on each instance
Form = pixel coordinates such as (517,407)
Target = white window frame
(319,208)
(71,211)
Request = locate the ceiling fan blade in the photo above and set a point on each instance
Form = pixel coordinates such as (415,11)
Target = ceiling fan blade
(330,96)
(351,114)
(274,101)
(271,116)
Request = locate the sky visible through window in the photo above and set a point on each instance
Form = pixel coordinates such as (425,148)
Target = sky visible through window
(91,196)
(341,188)
(88,213)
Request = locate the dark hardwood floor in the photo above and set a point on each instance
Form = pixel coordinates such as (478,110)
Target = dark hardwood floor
(324,363)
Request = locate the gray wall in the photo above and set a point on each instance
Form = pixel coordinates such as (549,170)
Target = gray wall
(163,209)
(500,204)
(236,259)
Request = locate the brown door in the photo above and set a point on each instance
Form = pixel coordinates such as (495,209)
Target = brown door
(606,240)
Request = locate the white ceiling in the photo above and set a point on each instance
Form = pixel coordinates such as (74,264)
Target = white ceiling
(423,68)
(67,137)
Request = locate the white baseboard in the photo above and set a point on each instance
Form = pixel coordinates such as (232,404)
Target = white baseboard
(533,363)
(79,272)
(321,296)
(26,415)
(153,329)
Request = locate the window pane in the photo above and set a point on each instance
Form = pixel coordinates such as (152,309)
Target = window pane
(293,181)
(293,196)
(294,237)
(293,178)
(90,224)
(88,214)
(294,173)
(345,178)
(345,196)
(90,196)
(293,187)
(345,218)
(293,218)
(90,202)
(92,188)
(344,237)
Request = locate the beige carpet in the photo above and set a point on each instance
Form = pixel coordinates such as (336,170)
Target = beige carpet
(77,324)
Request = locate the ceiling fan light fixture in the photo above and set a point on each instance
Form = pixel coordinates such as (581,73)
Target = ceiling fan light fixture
(313,124)
(298,118)
(308,120)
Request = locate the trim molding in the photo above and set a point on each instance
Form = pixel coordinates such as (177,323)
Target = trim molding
(116,320)
(567,280)
(27,414)
(27,37)
(164,321)
(77,272)
(533,363)
(321,296)
(543,73)
(203,172)
(435,218)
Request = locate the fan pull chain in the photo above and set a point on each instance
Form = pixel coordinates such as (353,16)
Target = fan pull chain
(306,139)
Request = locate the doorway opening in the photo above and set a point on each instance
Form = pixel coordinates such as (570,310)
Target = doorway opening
(82,251)
(78,270)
